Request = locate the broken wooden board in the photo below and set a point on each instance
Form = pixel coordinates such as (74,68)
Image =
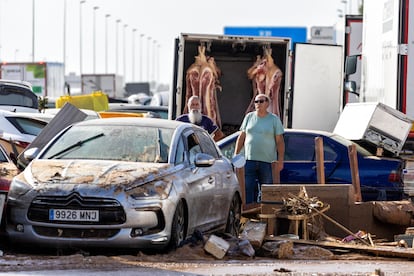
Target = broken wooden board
(379,251)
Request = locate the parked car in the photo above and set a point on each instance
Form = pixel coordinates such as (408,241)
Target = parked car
(7,171)
(124,182)
(151,111)
(17,96)
(380,178)
(19,129)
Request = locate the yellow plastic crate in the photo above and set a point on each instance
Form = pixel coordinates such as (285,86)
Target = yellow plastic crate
(97,101)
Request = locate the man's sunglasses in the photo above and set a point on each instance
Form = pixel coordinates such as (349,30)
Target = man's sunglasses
(260,101)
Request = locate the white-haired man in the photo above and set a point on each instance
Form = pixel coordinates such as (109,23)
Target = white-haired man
(195,116)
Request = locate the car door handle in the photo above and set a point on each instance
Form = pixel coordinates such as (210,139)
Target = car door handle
(210,180)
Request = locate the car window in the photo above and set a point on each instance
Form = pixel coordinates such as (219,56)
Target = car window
(109,142)
(207,144)
(16,96)
(3,157)
(299,147)
(180,152)
(27,125)
(193,147)
(228,149)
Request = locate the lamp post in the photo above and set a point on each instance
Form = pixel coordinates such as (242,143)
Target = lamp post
(140,56)
(154,54)
(158,63)
(106,42)
(124,52)
(33,30)
(64,37)
(133,54)
(94,38)
(117,46)
(148,57)
(80,36)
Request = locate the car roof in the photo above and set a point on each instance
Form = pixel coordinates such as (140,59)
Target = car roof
(19,83)
(153,122)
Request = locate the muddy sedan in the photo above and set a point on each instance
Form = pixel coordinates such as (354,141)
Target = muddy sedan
(123,182)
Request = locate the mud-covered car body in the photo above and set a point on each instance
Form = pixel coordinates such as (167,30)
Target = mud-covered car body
(123,182)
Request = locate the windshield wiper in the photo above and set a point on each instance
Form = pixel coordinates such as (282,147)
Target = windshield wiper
(77,144)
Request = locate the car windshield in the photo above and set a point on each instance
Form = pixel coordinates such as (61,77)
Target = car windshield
(112,142)
(16,96)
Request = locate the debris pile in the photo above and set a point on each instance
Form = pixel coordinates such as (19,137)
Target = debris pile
(301,204)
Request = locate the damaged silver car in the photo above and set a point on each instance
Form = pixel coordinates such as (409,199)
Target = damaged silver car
(124,182)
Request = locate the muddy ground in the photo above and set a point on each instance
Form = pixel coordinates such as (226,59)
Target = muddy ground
(192,258)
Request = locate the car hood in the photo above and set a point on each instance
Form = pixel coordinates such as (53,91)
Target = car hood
(95,172)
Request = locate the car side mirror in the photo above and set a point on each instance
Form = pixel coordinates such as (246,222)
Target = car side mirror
(204,160)
(30,154)
(351,64)
(350,87)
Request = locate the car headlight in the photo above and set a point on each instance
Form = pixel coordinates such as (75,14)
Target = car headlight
(156,189)
(18,187)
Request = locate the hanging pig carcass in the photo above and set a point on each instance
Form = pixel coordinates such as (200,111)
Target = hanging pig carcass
(202,79)
(266,78)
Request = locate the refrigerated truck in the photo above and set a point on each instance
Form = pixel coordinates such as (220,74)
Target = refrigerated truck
(310,93)
(47,78)
(387,74)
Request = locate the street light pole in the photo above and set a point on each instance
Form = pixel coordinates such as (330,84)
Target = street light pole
(33,30)
(64,37)
(140,56)
(80,37)
(106,42)
(158,63)
(94,38)
(154,53)
(133,54)
(117,46)
(124,52)
(148,58)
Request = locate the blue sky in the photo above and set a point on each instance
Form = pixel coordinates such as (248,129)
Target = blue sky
(161,20)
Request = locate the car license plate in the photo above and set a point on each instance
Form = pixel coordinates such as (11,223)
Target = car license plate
(73,215)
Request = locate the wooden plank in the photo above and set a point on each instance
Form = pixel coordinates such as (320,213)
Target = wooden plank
(353,162)
(320,160)
(384,251)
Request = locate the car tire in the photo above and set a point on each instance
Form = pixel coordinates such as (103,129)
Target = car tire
(178,228)
(233,217)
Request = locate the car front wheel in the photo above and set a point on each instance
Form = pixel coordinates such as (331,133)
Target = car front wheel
(178,226)
(233,218)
